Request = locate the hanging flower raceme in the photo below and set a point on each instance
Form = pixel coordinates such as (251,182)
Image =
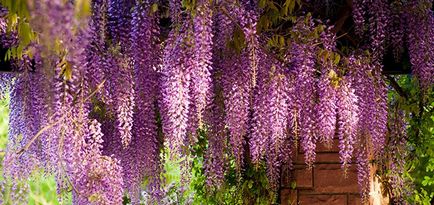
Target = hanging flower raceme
(96,47)
(371,92)
(22,155)
(396,32)
(379,12)
(201,71)
(327,84)
(363,171)
(372,17)
(421,41)
(141,158)
(347,121)
(238,93)
(303,67)
(125,102)
(217,134)
(247,16)
(175,83)
(275,89)
(270,113)
(359,12)
(215,158)
(379,130)
(119,22)
(398,154)
(97,179)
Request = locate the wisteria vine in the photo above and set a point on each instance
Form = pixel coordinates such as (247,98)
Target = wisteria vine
(89,97)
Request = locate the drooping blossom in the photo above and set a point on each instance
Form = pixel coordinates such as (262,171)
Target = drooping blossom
(175,83)
(303,67)
(202,54)
(326,106)
(421,41)
(347,121)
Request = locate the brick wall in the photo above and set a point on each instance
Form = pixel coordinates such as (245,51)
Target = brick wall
(324,184)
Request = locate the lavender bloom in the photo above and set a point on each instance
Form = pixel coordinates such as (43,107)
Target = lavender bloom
(237,91)
(326,106)
(98,178)
(379,130)
(142,157)
(200,75)
(347,121)
(119,22)
(278,123)
(379,13)
(96,47)
(125,104)
(261,128)
(372,101)
(248,18)
(304,93)
(397,146)
(397,30)
(118,93)
(217,134)
(359,13)
(214,162)
(421,41)
(363,172)
(175,84)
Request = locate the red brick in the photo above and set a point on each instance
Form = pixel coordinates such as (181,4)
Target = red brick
(327,157)
(322,147)
(330,178)
(287,178)
(288,197)
(354,200)
(303,177)
(322,199)
(299,158)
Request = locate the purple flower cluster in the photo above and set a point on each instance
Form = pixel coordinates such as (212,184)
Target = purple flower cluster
(420,19)
(371,91)
(215,161)
(379,17)
(347,120)
(119,22)
(145,143)
(398,155)
(175,84)
(359,12)
(7,38)
(363,171)
(200,75)
(87,106)
(303,62)
(326,107)
(237,91)
(97,178)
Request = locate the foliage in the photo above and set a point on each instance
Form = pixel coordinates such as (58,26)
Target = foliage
(420,161)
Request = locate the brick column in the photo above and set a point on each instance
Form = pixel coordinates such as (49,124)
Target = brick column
(324,184)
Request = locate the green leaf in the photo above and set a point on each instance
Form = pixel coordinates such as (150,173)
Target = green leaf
(337,59)
(154,8)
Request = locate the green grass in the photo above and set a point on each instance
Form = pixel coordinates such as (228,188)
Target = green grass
(4,120)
